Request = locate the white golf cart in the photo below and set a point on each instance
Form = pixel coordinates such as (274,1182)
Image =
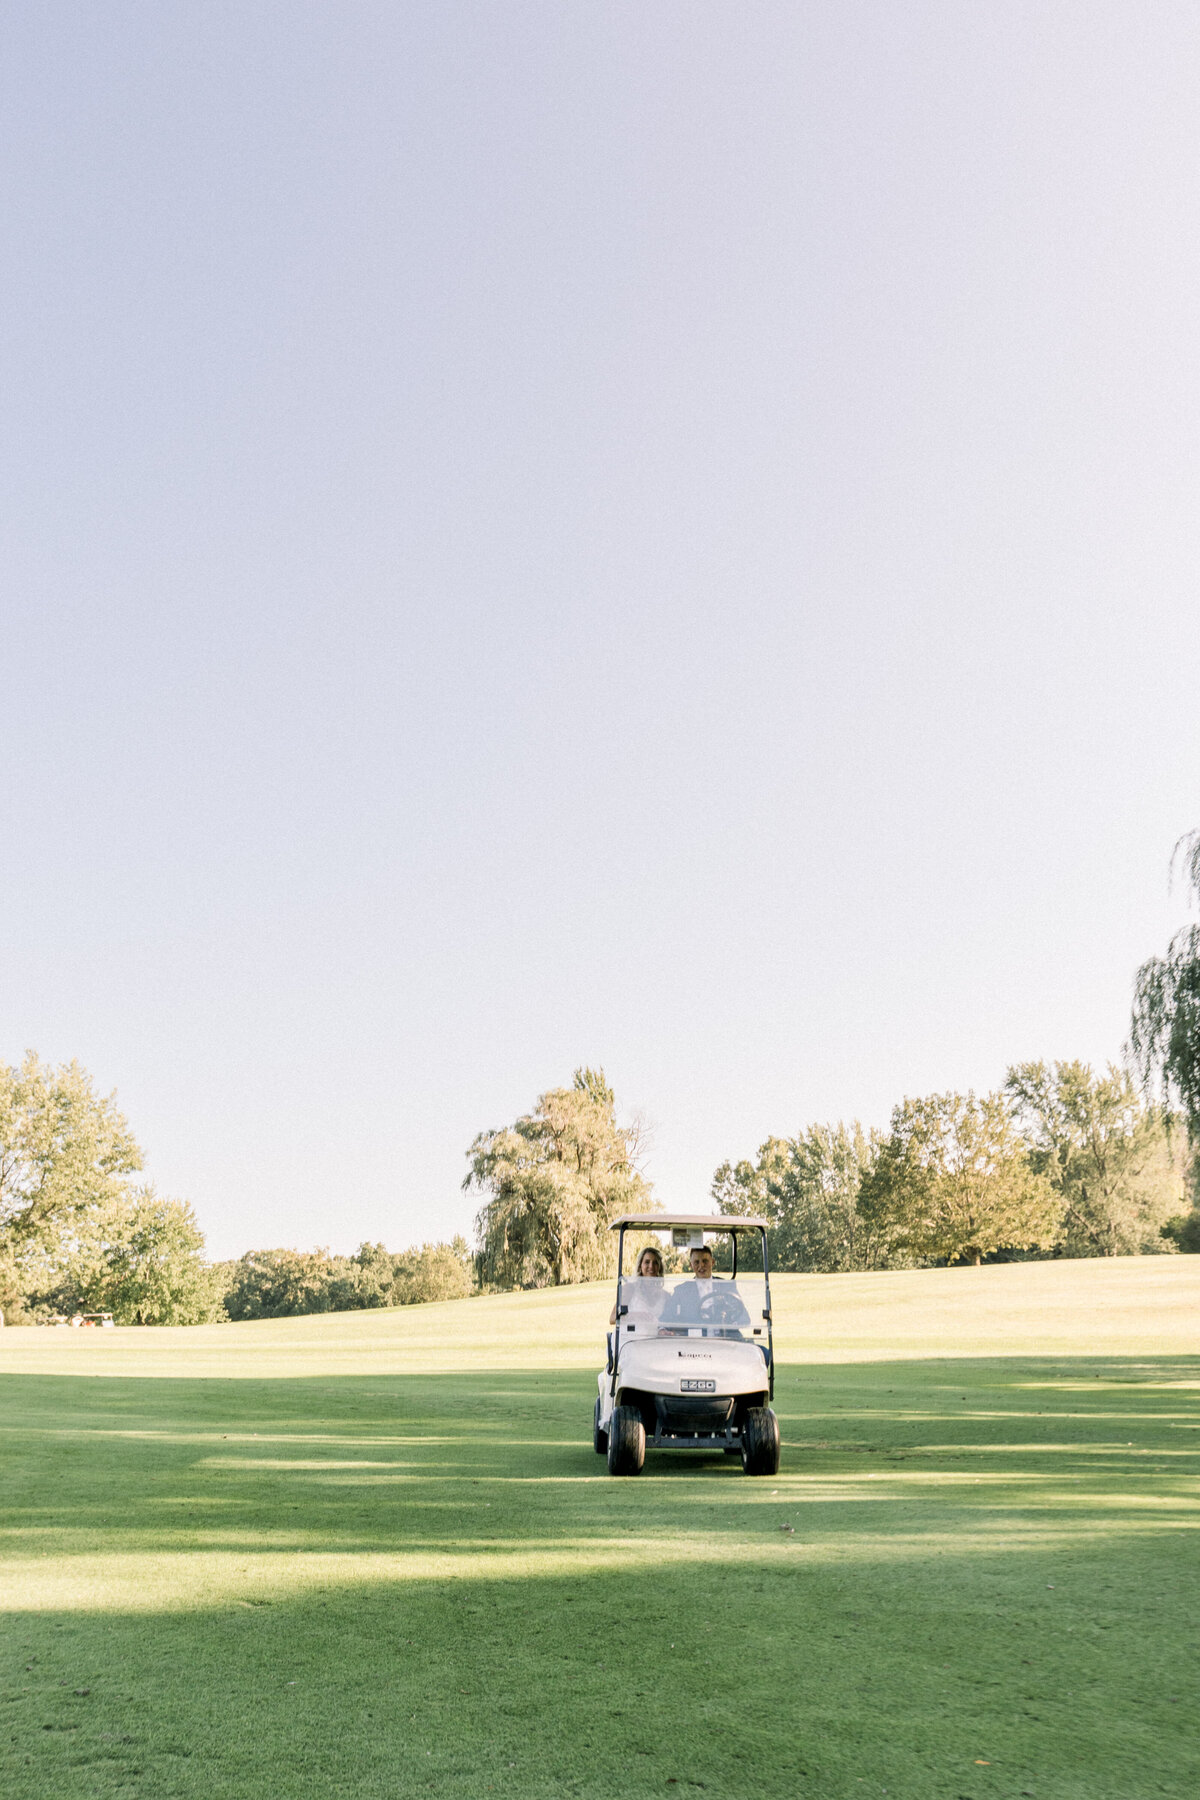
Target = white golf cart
(691,1361)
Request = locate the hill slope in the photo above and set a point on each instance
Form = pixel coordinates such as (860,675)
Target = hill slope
(1136,1305)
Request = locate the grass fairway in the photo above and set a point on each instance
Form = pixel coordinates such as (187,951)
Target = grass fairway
(374,1555)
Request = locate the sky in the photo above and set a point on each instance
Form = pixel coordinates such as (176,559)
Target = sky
(551,534)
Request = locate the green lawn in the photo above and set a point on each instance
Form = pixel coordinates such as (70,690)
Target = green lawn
(375,1555)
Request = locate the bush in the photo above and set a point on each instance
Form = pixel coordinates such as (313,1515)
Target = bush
(14,1308)
(1184,1232)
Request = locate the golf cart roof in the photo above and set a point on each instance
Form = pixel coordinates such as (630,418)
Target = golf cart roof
(705,1221)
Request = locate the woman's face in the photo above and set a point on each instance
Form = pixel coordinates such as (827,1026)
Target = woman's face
(649,1264)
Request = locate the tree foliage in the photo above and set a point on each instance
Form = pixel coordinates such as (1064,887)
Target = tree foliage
(808,1187)
(281,1284)
(1184,1231)
(1165,1029)
(953,1183)
(1108,1156)
(76,1234)
(65,1153)
(553,1182)
(413,1277)
(277,1284)
(433,1272)
(146,1266)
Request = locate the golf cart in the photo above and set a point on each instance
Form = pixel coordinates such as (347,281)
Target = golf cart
(690,1360)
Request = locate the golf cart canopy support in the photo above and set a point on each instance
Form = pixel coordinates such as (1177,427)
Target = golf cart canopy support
(698,1221)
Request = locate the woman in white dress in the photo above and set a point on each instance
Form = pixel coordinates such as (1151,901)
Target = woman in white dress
(644,1301)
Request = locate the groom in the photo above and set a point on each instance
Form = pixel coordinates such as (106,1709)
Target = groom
(703,1301)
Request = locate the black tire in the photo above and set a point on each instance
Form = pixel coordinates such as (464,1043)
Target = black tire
(599,1437)
(626,1441)
(760,1442)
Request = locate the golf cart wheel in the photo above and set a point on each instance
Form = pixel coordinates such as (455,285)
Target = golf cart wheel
(599,1436)
(626,1441)
(760,1442)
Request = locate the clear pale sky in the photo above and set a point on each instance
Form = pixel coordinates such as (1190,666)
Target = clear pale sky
(660,536)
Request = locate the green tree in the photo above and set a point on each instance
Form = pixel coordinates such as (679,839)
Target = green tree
(281,1284)
(153,1271)
(1109,1157)
(808,1187)
(373,1270)
(66,1155)
(953,1183)
(434,1272)
(1165,1029)
(412,1277)
(1184,1231)
(554,1180)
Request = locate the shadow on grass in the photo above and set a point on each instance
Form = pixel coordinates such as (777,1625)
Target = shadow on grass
(967,1579)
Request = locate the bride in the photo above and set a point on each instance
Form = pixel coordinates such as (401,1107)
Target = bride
(644,1300)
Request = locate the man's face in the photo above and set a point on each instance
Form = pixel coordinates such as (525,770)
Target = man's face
(702,1264)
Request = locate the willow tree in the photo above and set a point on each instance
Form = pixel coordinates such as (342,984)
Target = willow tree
(553,1182)
(1165,1031)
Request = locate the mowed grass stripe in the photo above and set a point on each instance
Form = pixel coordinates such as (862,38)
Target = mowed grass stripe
(972,1577)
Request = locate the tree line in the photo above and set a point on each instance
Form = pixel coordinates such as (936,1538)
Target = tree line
(80,1234)
(277,1284)
(1058,1161)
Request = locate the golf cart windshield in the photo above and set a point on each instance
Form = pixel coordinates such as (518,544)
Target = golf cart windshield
(682,1306)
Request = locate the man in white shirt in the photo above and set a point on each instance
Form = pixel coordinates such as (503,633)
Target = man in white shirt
(703,1301)
(701,1260)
